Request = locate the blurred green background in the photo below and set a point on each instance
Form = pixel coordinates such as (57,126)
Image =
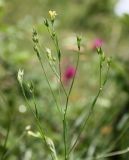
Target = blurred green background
(93,19)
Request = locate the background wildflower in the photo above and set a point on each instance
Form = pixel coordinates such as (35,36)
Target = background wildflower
(69,74)
(97,43)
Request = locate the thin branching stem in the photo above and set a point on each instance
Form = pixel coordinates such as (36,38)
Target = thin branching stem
(36,49)
(85,122)
(42,66)
(54,70)
(113,154)
(36,118)
(55,40)
(56,44)
(66,108)
(51,65)
(101,85)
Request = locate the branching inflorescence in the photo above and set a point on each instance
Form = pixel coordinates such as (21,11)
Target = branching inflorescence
(49,23)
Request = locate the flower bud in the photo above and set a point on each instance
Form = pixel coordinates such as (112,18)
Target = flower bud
(20,76)
(31,87)
(49,54)
(79,42)
(27,128)
(36,49)
(46,23)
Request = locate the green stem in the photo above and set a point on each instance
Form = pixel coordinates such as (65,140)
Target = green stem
(85,122)
(42,66)
(54,70)
(6,139)
(113,153)
(13,146)
(55,41)
(66,107)
(37,119)
(100,73)
(92,105)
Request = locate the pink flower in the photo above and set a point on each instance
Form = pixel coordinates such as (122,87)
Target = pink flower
(97,43)
(69,74)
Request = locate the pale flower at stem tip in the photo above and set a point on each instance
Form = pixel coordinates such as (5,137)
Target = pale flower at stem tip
(20,75)
(52,15)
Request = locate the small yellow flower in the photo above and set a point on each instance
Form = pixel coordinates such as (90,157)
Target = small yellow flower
(52,14)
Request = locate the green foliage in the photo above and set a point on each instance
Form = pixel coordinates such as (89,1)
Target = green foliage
(107,129)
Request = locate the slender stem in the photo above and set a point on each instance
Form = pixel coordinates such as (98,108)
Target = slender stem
(6,139)
(54,70)
(55,41)
(64,138)
(35,105)
(36,118)
(8,128)
(49,84)
(66,107)
(61,80)
(86,120)
(40,128)
(37,45)
(71,86)
(100,73)
(51,65)
(113,153)
(101,85)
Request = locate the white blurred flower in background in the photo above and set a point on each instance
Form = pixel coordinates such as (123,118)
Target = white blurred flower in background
(122,7)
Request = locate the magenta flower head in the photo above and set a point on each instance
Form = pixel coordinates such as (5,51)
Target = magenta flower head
(69,73)
(97,43)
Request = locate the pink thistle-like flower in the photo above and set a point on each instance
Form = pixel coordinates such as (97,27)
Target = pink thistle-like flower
(69,73)
(97,43)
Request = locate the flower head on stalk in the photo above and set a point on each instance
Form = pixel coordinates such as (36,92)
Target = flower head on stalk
(52,15)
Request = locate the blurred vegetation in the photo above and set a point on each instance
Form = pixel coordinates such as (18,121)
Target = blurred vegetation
(93,20)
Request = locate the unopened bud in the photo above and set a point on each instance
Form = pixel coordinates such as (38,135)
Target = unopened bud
(79,42)
(35,36)
(31,87)
(20,76)
(28,128)
(36,49)
(46,23)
